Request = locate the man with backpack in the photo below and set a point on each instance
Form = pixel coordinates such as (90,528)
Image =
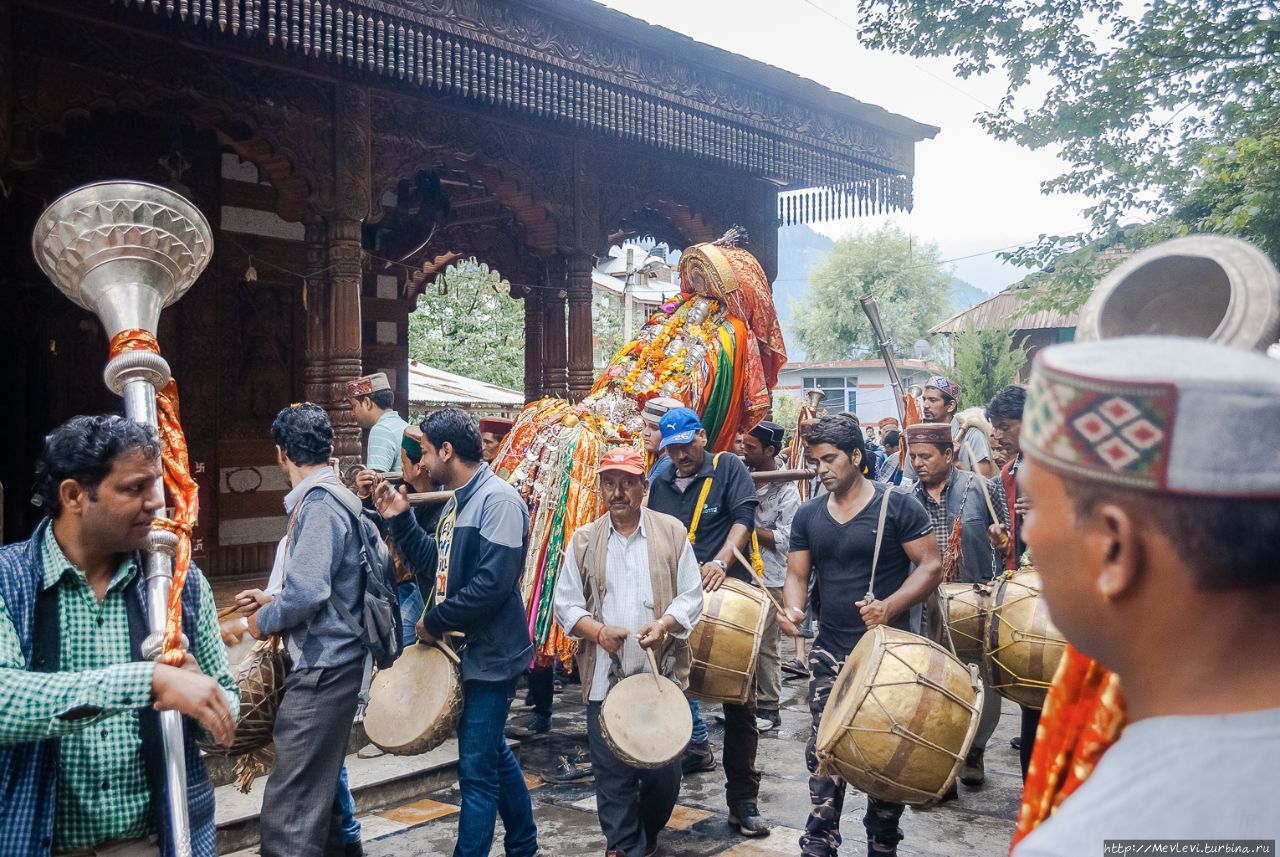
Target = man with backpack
(477,555)
(334,571)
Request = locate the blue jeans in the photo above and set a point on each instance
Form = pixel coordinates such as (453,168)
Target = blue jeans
(489,777)
(347,806)
(410,611)
(699,725)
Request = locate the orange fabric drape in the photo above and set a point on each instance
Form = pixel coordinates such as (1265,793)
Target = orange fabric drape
(1083,716)
(181,488)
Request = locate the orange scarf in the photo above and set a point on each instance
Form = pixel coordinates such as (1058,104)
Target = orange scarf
(181,488)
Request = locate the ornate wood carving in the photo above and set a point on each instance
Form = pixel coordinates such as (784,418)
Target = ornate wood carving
(533,316)
(555,372)
(567,64)
(346,267)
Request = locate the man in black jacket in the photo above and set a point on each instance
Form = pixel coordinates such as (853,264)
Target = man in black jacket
(477,554)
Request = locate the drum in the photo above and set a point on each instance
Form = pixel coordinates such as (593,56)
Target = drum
(260,680)
(1023,646)
(900,719)
(725,643)
(414,705)
(646,724)
(964,611)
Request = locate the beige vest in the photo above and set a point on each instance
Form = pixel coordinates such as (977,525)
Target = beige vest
(665,538)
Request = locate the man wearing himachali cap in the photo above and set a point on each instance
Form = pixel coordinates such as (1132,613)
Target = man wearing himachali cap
(1162,566)
(629,583)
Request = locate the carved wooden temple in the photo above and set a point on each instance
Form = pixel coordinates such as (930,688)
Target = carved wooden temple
(341,149)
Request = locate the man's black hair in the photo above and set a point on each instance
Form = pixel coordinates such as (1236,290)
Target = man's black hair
(841,431)
(453,426)
(304,433)
(85,449)
(382,399)
(1228,543)
(890,438)
(1007,404)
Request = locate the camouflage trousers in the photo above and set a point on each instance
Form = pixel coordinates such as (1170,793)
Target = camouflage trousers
(822,831)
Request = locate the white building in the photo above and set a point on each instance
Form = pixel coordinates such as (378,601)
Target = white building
(858,386)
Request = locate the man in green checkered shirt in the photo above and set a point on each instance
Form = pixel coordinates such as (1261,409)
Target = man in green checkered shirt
(78,734)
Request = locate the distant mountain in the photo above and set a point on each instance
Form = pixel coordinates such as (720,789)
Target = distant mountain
(965,295)
(800,250)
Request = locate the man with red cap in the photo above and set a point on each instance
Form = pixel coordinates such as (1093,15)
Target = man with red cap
(630,582)
(492,432)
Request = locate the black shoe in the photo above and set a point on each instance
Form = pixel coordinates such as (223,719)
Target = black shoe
(538,724)
(795,668)
(352,849)
(748,820)
(567,771)
(972,772)
(876,849)
(953,793)
(698,757)
(1016,742)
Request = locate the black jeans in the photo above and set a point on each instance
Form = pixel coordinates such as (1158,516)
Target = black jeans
(741,740)
(821,836)
(542,689)
(1030,723)
(634,804)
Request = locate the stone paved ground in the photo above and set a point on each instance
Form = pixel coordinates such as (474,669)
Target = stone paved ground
(978,825)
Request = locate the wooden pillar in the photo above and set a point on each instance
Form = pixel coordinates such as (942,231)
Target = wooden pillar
(352,178)
(346,277)
(315,371)
(533,320)
(555,360)
(581,374)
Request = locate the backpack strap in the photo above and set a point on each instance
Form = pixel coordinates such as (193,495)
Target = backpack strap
(702,499)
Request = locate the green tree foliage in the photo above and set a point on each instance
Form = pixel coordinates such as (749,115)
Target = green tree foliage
(786,411)
(913,294)
(1138,94)
(985,361)
(1239,192)
(466,323)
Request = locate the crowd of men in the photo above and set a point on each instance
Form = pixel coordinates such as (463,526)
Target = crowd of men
(1151,553)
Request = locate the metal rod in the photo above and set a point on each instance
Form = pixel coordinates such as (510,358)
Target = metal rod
(886,351)
(141,407)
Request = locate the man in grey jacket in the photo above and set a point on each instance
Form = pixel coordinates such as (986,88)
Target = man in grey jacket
(321,559)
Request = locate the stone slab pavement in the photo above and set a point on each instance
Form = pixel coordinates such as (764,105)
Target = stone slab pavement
(977,825)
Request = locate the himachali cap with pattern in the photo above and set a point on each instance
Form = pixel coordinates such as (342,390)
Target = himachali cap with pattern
(655,408)
(368,384)
(938,433)
(1144,413)
(948,388)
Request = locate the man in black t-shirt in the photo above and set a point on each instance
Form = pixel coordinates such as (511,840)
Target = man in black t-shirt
(834,538)
(715,498)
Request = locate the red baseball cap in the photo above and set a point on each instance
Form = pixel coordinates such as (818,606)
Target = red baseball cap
(623,458)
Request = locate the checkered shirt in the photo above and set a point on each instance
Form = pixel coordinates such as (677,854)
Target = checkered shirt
(102,786)
(937,510)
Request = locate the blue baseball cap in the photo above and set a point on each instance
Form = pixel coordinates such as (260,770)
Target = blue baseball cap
(679,425)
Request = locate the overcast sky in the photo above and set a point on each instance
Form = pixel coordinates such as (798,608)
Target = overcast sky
(973,194)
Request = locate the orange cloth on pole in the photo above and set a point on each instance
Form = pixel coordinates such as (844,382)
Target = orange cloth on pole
(1083,716)
(182,489)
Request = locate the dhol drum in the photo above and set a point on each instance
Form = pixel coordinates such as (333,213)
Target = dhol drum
(645,720)
(964,612)
(260,679)
(900,719)
(725,643)
(414,706)
(1023,646)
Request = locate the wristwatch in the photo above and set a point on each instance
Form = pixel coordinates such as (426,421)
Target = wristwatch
(724,566)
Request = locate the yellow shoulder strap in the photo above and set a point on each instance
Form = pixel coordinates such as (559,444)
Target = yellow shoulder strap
(702,499)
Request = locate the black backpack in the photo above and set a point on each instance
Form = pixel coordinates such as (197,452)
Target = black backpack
(380,630)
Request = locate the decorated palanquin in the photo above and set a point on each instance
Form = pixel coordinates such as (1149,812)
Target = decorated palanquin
(717,348)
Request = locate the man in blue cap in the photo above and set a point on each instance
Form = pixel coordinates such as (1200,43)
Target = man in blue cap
(715,498)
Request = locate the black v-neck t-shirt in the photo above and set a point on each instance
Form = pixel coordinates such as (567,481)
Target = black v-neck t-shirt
(841,561)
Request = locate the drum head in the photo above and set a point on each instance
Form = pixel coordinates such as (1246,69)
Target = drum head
(407,701)
(645,726)
(851,687)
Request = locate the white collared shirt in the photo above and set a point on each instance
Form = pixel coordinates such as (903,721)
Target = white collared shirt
(628,600)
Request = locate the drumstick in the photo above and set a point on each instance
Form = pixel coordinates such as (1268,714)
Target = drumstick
(742,559)
(653,666)
(982,480)
(448,652)
(226,612)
